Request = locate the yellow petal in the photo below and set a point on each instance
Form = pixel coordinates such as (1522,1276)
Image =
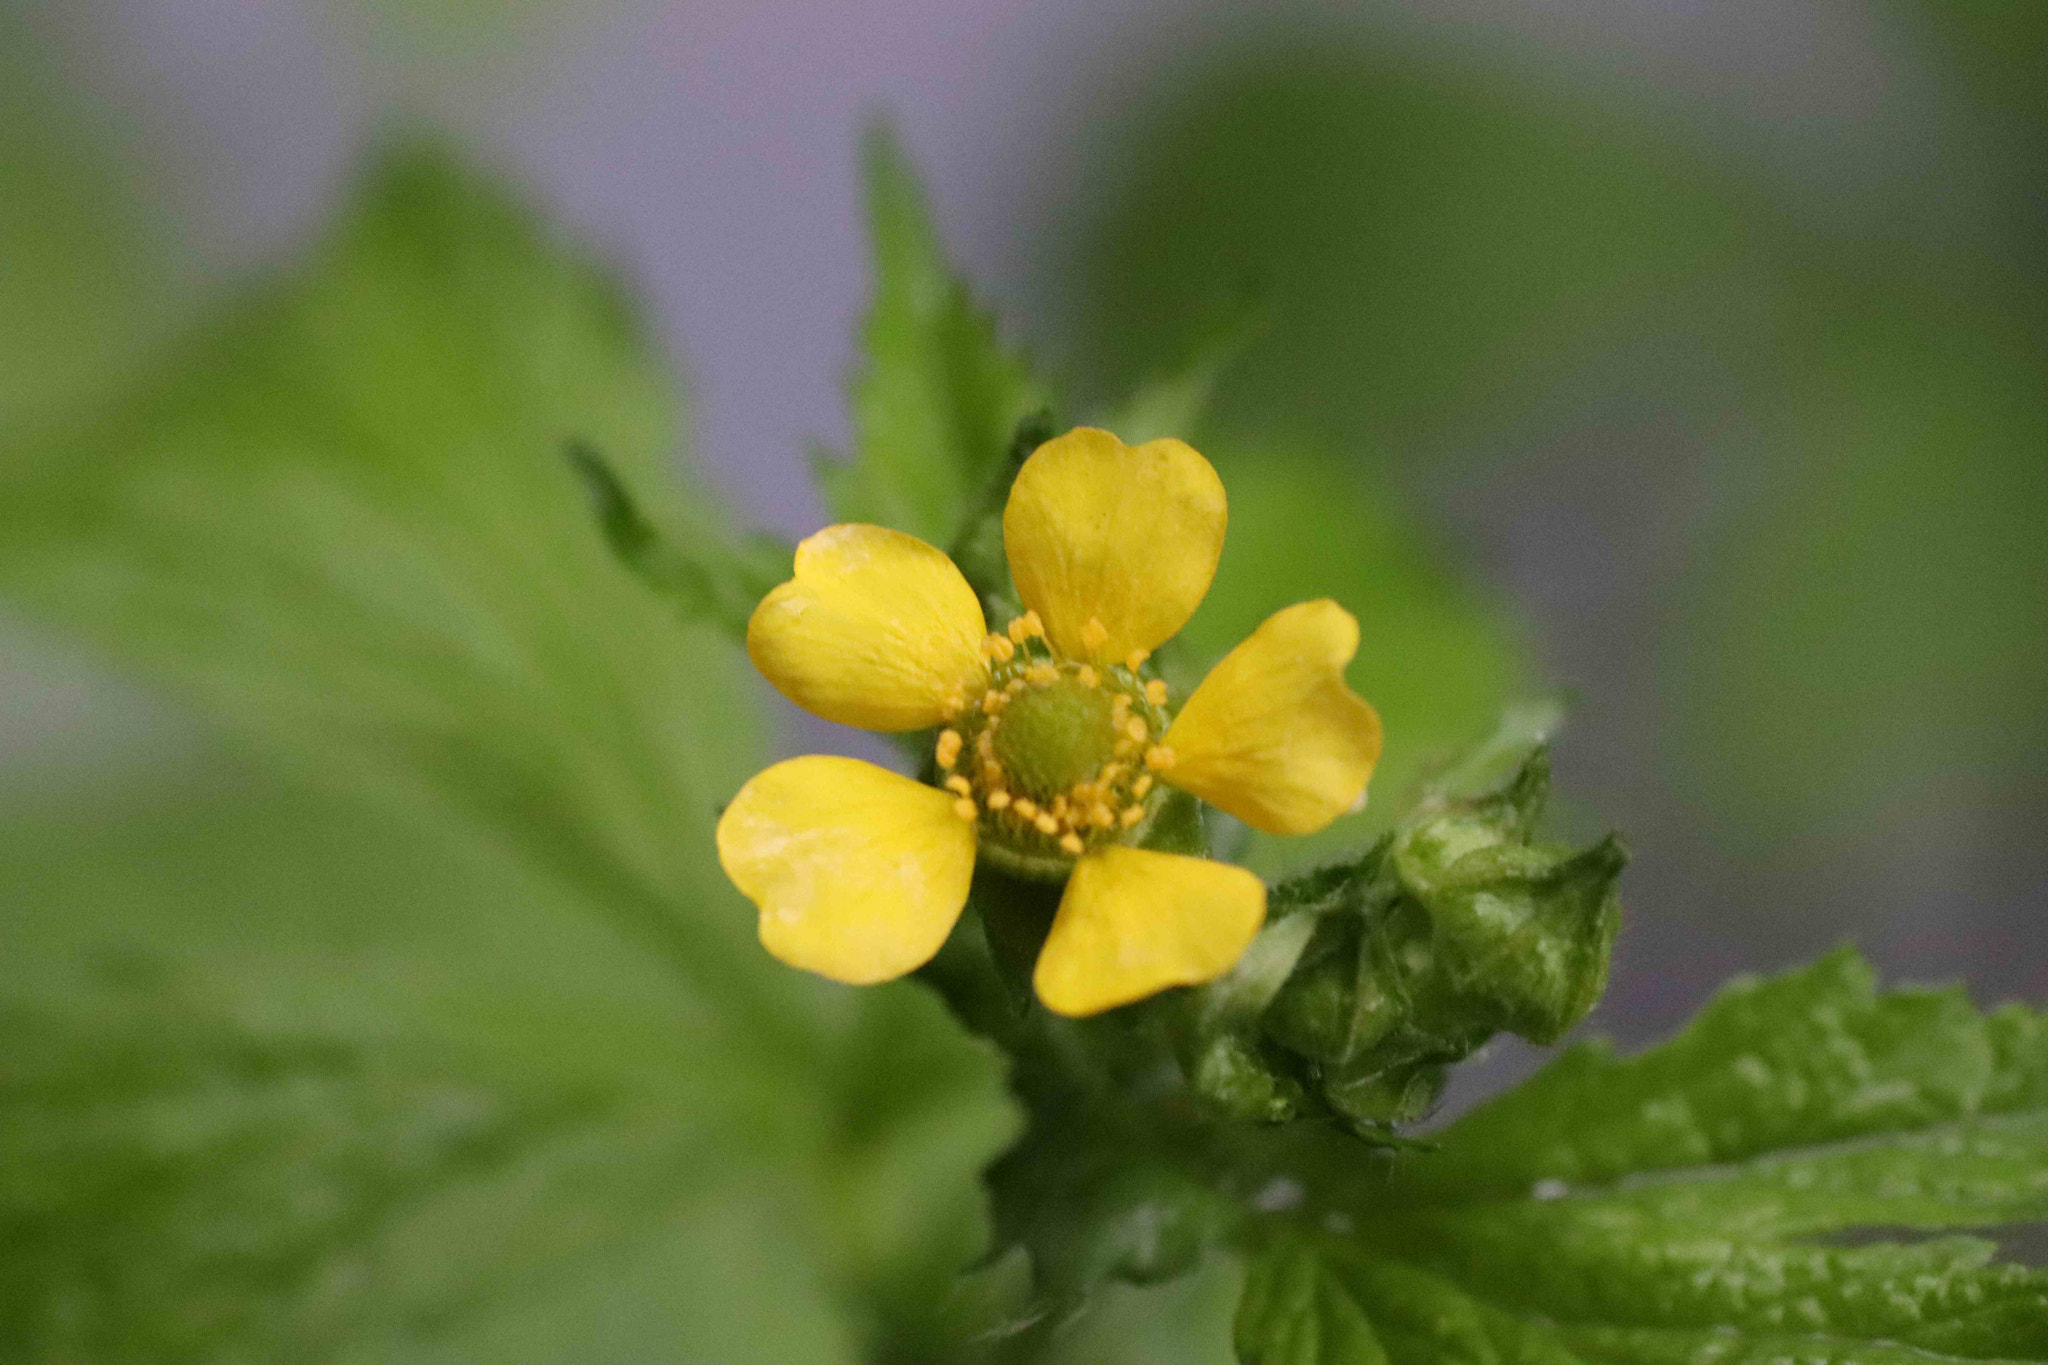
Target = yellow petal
(1133,922)
(1126,536)
(858,873)
(877,629)
(1273,735)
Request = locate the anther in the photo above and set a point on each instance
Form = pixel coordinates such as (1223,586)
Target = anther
(952,705)
(1094,635)
(1136,729)
(1087,676)
(949,749)
(1101,816)
(1155,692)
(959,785)
(998,799)
(1159,758)
(1141,786)
(1042,675)
(1071,843)
(1046,824)
(1000,648)
(992,701)
(1026,808)
(1131,816)
(964,808)
(1135,660)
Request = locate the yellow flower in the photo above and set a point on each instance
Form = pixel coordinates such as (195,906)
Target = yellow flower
(1055,746)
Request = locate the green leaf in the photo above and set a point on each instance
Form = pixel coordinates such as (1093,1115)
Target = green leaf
(1711,1199)
(939,398)
(1297,1310)
(344,520)
(478,1060)
(289,1077)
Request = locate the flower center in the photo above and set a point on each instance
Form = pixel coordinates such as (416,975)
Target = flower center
(1057,756)
(1055,737)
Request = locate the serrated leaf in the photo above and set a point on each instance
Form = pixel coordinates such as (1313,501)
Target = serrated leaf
(1693,1203)
(1815,1056)
(938,397)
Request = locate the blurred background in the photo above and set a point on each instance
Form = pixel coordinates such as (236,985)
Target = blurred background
(1701,345)
(1684,359)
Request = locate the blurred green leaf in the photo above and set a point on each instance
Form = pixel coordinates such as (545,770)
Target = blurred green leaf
(1432,241)
(1670,1207)
(289,1077)
(486,1065)
(82,285)
(939,398)
(344,520)
(1877,621)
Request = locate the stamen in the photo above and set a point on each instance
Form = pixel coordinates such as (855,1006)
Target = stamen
(959,785)
(1131,816)
(1101,816)
(1135,727)
(1046,824)
(964,808)
(998,799)
(1135,660)
(992,702)
(1159,758)
(1087,676)
(1042,675)
(953,705)
(949,749)
(1026,808)
(1142,785)
(1094,635)
(1071,843)
(1155,692)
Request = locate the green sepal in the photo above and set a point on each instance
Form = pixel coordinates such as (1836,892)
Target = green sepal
(708,577)
(1373,977)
